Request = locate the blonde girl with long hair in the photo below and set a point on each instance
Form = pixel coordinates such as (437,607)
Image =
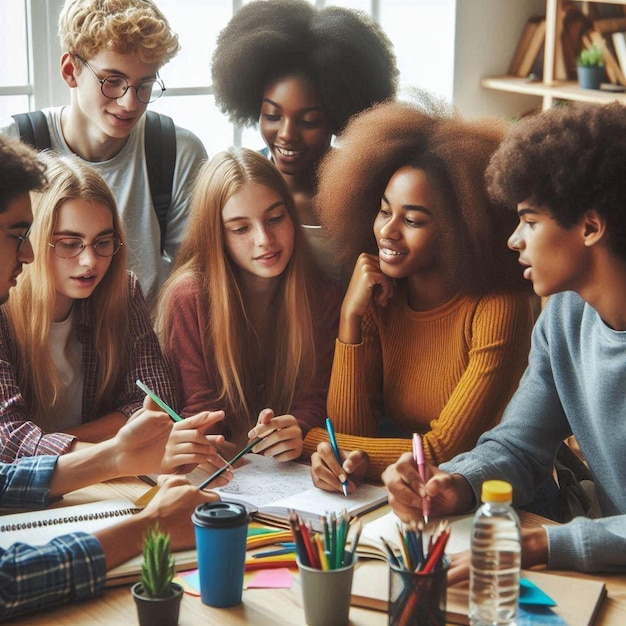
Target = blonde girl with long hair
(245,318)
(75,334)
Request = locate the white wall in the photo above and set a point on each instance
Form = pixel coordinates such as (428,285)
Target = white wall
(487,32)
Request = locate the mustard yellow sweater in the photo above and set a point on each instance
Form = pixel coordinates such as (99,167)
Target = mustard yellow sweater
(447,373)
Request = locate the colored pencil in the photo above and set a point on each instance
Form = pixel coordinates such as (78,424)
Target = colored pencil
(168,409)
(333,444)
(222,469)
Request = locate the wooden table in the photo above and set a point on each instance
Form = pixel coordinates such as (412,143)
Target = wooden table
(260,607)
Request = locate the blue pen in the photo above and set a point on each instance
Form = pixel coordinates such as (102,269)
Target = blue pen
(333,444)
(278,552)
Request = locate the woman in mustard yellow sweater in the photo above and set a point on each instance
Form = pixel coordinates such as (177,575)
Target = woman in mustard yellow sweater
(435,326)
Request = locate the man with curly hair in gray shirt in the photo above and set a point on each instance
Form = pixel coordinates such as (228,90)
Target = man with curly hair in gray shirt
(564,172)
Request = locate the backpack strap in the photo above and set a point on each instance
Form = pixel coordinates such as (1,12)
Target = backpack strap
(33,128)
(160,149)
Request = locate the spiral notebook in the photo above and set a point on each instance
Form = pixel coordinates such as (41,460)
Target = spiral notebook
(40,527)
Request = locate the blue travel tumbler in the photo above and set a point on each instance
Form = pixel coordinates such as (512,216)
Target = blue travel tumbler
(221,531)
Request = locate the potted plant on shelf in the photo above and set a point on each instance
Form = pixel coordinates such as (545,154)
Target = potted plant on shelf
(591,67)
(156,596)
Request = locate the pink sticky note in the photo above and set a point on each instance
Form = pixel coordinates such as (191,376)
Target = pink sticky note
(279,578)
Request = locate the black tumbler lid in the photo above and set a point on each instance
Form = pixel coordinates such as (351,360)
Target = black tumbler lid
(220,515)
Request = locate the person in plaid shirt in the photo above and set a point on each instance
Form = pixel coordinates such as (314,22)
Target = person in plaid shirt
(73,567)
(83,315)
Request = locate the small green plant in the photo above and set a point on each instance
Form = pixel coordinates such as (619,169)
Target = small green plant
(157,570)
(593,56)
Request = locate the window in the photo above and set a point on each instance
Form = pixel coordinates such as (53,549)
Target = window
(422,32)
(15,80)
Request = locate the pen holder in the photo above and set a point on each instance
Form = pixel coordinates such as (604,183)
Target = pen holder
(326,594)
(416,598)
(221,530)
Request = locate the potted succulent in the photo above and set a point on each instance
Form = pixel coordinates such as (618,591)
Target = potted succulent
(591,67)
(156,596)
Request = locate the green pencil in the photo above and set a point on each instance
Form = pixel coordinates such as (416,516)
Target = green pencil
(237,456)
(169,410)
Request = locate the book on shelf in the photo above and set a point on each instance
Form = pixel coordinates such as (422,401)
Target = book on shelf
(532,49)
(269,489)
(573,23)
(606,26)
(619,43)
(524,40)
(559,69)
(577,599)
(602,35)
(40,527)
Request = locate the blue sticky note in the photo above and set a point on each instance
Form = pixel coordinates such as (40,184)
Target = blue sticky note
(531,595)
(538,616)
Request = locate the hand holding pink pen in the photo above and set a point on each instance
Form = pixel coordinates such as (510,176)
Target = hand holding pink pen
(418,457)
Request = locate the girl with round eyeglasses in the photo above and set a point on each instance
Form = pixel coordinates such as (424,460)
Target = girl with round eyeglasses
(75,334)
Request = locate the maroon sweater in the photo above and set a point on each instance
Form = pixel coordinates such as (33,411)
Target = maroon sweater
(190,351)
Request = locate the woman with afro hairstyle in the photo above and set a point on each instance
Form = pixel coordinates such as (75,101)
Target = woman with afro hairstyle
(435,326)
(301,73)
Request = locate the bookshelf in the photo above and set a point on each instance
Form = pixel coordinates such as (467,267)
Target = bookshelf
(549,89)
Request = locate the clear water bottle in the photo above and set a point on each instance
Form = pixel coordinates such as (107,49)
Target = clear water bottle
(496,558)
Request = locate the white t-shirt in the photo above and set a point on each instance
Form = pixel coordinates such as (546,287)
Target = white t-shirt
(67,354)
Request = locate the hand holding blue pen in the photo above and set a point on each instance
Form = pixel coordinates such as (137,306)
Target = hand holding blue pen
(333,444)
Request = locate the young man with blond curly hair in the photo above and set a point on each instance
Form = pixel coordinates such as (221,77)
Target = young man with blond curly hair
(112,53)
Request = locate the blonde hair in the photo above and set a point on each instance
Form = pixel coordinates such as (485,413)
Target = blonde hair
(124,26)
(203,256)
(31,307)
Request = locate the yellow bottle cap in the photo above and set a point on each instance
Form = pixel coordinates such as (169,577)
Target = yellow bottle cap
(496,491)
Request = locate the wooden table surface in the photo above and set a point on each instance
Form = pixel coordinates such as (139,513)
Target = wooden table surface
(262,607)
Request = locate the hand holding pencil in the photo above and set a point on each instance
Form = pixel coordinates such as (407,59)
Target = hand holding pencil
(188,446)
(334,469)
(447,494)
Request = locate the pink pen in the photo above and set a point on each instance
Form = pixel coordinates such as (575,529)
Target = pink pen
(418,457)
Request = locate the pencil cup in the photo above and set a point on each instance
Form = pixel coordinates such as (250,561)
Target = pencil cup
(326,594)
(221,531)
(416,598)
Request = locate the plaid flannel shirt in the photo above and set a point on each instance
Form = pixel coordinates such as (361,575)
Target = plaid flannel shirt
(19,434)
(70,567)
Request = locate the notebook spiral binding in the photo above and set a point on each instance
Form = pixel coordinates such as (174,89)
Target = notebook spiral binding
(67,519)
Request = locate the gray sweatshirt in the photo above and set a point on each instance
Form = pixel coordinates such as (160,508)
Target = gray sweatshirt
(575,383)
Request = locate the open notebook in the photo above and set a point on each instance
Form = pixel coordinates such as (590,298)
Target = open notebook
(578,599)
(269,489)
(40,527)
(371,546)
